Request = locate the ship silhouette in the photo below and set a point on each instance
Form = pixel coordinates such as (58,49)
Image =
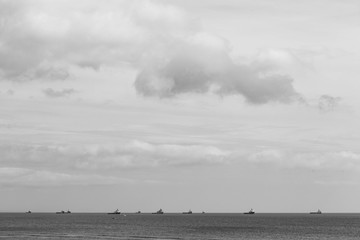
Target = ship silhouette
(250,212)
(188,212)
(115,212)
(317,212)
(63,212)
(159,212)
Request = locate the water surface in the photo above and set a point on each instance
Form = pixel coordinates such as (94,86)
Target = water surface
(179,226)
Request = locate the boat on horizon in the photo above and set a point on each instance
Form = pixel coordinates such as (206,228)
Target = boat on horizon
(159,212)
(63,212)
(188,212)
(250,212)
(28,211)
(115,212)
(317,212)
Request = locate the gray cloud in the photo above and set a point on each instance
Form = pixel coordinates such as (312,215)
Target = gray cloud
(58,93)
(203,70)
(10,92)
(51,73)
(13,177)
(327,160)
(99,158)
(328,103)
(43,40)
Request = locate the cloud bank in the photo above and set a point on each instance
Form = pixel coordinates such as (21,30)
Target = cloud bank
(199,68)
(57,165)
(328,103)
(329,160)
(47,165)
(173,55)
(58,93)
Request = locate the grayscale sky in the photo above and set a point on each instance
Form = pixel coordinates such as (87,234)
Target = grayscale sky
(217,106)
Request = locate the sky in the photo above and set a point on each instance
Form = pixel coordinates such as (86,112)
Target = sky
(215,106)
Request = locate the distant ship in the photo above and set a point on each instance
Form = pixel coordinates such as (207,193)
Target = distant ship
(317,212)
(28,211)
(159,212)
(115,212)
(138,212)
(63,212)
(188,212)
(203,212)
(250,212)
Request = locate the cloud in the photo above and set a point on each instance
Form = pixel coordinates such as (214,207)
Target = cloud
(50,73)
(337,183)
(44,40)
(10,92)
(58,93)
(205,65)
(10,177)
(109,157)
(328,103)
(337,160)
(26,164)
(272,59)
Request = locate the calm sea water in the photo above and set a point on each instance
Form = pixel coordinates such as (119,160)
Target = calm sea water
(178,226)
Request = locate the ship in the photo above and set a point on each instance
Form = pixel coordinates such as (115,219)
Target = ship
(138,212)
(159,212)
(317,212)
(63,212)
(188,212)
(28,211)
(250,212)
(115,212)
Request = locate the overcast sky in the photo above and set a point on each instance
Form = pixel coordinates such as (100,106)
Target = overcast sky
(216,106)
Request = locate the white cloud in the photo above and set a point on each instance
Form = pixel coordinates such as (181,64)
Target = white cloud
(198,70)
(29,164)
(58,93)
(334,161)
(42,40)
(86,33)
(103,158)
(15,177)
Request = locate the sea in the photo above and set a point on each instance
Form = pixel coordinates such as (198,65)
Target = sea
(208,226)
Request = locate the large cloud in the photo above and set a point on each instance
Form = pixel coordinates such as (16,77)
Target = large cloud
(199,67)
(59,164)
(49,36)
(135,154)
(42,40)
